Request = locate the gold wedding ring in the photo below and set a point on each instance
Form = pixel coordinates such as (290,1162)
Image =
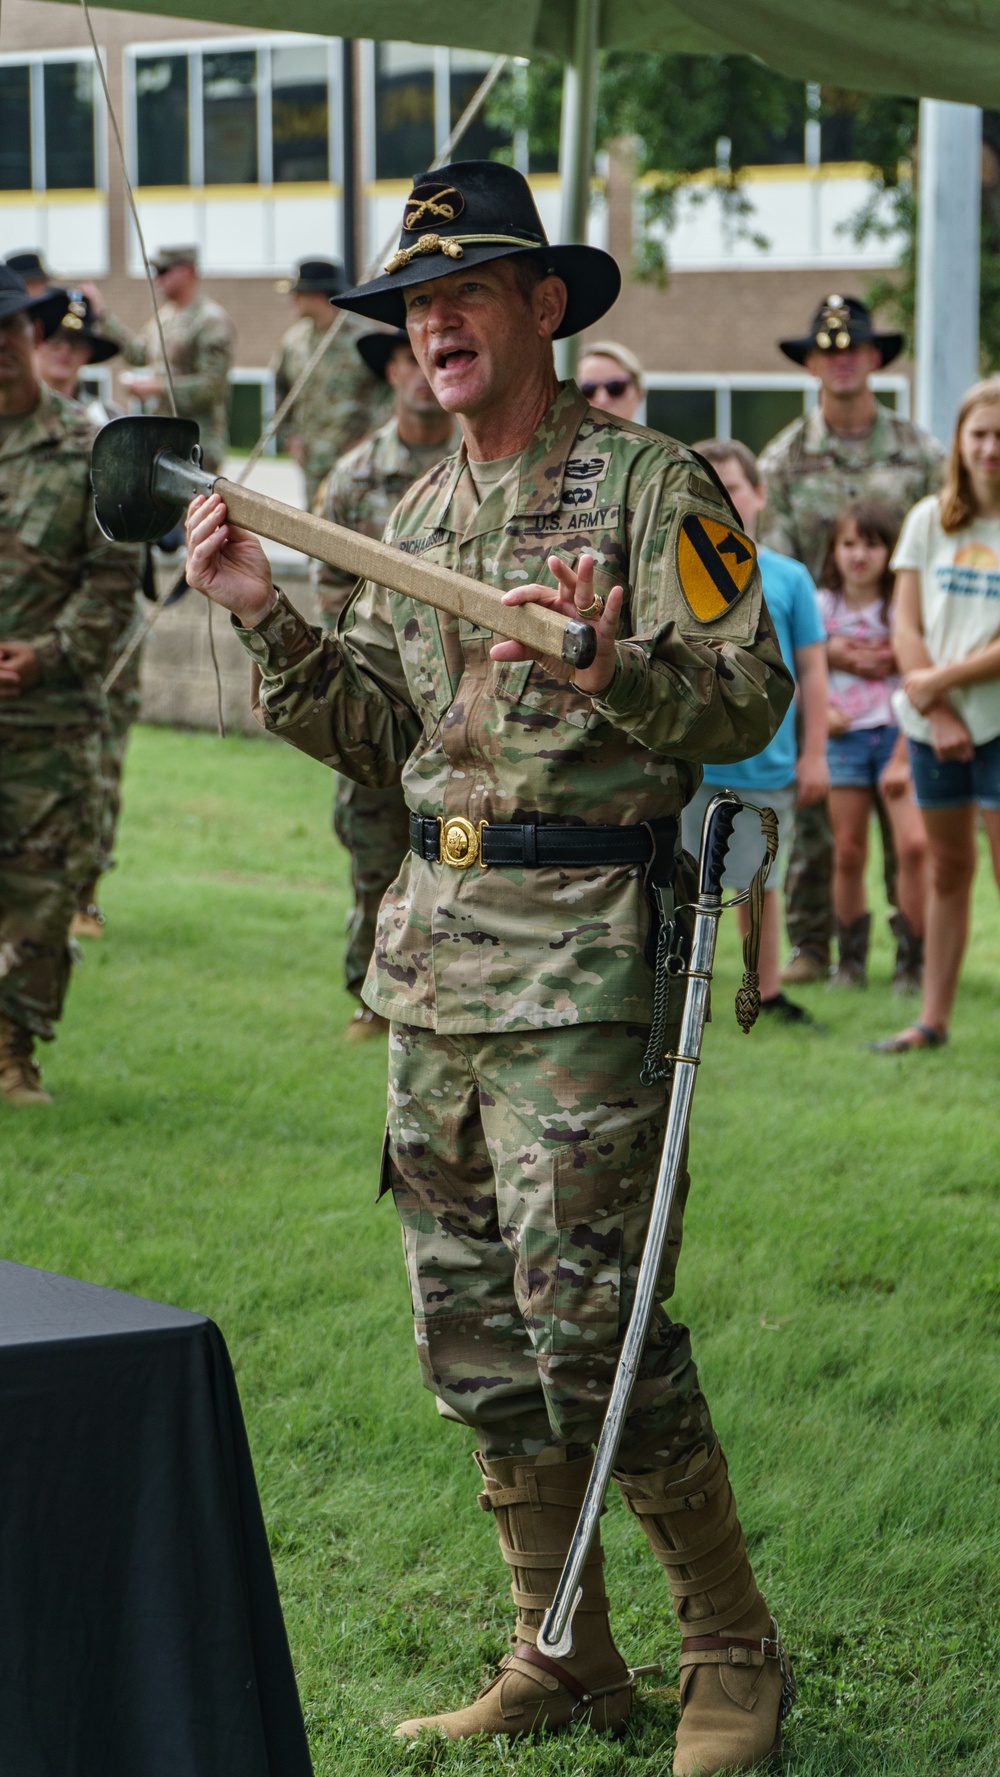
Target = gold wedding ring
(596,609)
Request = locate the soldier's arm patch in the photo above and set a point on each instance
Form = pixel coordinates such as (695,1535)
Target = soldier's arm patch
(715,563)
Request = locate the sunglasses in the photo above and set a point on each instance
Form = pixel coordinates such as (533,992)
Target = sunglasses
(615,389)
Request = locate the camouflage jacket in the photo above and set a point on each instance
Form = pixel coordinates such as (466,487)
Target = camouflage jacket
(341,401)
(63,587)
(362,492)
(401,691)
(810,473)
(199,341)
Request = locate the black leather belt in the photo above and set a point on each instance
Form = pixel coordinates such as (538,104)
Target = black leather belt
(461,843)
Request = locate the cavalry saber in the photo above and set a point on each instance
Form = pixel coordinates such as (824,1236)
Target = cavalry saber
(555,1638)
(145,470)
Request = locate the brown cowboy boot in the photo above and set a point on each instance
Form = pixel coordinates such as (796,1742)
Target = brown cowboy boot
(20,1076)
(536,1507)
(852,947)
(736,1683)
(908,970)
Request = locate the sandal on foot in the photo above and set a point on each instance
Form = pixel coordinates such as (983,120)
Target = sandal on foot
(915,1036)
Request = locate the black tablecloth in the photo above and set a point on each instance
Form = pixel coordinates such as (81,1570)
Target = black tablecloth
(140,1629)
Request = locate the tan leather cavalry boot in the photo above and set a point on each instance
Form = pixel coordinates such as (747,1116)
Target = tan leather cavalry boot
(736,1682)
(20,1075)
(536,1507)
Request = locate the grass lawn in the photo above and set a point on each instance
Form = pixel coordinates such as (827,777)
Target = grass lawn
(214,1144)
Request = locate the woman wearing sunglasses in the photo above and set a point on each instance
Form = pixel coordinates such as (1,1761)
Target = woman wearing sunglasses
(610,376)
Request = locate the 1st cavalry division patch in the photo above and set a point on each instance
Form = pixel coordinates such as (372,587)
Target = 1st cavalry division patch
(714,563)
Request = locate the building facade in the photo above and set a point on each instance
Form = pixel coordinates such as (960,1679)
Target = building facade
(238,140)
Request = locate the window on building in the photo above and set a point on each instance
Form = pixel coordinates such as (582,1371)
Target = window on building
(15,127)
(300,116)
(227,114)
(161,117)
(229,101)
(743,406)
(404,109)
(687,414)
(48,123)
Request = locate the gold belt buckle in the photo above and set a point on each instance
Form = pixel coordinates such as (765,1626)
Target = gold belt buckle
(461,844)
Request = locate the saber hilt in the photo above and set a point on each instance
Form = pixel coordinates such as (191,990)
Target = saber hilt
(555,1637)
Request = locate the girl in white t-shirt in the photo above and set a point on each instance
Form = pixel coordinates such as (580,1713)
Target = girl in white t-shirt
(864,741)
(946,634)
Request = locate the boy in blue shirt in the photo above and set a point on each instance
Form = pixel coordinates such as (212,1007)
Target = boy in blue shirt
(782,776)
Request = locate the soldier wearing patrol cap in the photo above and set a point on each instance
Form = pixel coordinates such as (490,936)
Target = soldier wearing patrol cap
(199,338)
(849,447)
(343,398)
(361,492)
(511,956)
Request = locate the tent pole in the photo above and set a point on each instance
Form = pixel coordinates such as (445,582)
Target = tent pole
(576,145)
(948,214)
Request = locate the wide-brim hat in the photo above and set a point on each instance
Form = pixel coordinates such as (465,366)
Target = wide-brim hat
(839,323)
(314,277)
(79,321)
(28,264)
(377,348)
(467,214)
(49,308)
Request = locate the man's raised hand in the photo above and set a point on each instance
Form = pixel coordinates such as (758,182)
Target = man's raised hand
(572,597)
(226,564)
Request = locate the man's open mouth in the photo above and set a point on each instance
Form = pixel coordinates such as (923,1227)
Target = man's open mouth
(454,357)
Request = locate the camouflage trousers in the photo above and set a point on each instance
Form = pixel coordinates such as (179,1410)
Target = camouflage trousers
(809,918)
(523,1166)
(124,701)
(48,828)
(374,827)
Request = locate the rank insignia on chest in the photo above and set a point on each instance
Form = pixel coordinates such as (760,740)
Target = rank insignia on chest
(714,564)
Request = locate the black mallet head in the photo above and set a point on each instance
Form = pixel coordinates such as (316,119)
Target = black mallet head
(144,471)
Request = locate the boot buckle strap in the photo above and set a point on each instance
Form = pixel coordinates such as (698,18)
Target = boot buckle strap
(738,1650)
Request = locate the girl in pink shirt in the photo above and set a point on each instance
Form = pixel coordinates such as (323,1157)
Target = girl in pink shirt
(866,756)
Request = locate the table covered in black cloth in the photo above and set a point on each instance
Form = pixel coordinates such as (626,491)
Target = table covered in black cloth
(140,1629)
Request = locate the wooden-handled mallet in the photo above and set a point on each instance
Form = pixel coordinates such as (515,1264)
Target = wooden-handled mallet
(145,471)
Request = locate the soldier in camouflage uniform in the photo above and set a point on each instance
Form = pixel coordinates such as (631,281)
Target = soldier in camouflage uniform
(511,955)
(362,493)
(60,361)
(199,339)
(66,594)
(343,398)
(849,447)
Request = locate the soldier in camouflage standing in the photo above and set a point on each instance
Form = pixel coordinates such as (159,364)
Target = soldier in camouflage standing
(199,339)
(849,447)
(60,361)
(511,955)
(362,492)
(343,399)
(65,596)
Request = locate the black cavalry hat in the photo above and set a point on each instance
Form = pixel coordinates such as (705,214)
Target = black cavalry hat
(28,264)
(840,322)
(48,308)
(377,348)
(315,277)
(79,322)
(471,212)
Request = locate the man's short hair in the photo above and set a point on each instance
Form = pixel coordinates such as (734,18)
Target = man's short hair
(528,271)
(725,450)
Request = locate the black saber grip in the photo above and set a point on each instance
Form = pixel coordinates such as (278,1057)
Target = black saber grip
(720,818)
(579,645)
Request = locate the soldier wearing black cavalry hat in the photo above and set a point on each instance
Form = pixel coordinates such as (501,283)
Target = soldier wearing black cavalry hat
(343,399)
(511,954)
(849,447)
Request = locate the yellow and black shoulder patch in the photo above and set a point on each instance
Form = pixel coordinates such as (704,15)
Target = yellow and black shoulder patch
(714,565)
